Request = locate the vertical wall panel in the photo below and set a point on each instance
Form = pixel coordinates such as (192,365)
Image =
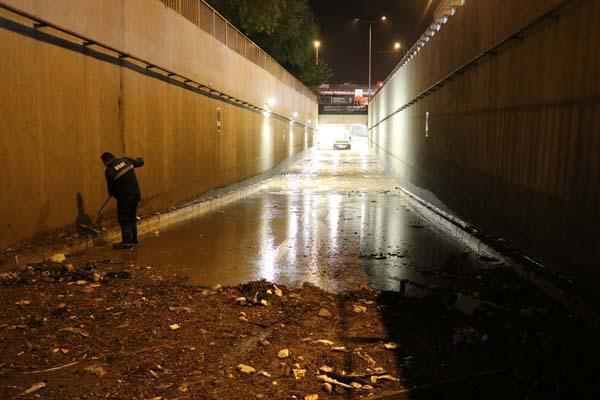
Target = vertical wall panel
(513,147)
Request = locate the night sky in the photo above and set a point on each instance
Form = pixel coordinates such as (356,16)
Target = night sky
(345,45)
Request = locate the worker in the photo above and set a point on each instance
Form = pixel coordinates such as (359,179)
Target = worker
(122,184)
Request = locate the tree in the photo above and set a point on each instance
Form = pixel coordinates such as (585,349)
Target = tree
(314,75)
(285,29)
(251,16)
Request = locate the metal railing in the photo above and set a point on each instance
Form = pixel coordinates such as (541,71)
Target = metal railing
(209,20)
(66,35)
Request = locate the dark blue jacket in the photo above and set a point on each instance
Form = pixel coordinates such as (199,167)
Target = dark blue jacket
(121,180)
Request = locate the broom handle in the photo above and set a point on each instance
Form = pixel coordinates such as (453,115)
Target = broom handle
(101,209)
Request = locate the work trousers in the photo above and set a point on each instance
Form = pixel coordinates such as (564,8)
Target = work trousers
(126,215)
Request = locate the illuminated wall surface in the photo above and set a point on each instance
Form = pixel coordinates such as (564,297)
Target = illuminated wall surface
(513,142)
(62,107)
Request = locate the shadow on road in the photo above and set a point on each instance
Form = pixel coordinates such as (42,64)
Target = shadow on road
(499,340)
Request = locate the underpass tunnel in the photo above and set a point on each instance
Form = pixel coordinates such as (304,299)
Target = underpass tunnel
(429,234)
(328,134)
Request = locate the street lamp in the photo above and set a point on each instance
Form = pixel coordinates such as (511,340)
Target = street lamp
(317,44)
(398,46)
(370,23)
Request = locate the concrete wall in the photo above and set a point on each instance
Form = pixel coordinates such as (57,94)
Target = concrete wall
(61,107)
(514,143)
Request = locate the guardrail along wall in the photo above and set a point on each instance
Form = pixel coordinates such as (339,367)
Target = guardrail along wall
(496,119)
(132,77)
(204,16)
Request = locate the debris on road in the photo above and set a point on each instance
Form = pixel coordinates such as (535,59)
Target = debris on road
(326,369)
(278,292)
(58,258)
(246,369)
(326,379)
(359,309)
(466,304)
(124,328)
(324,313)
(76,331)
(241,301)
(34,388)
(376,378)
(298,373)
(95,369)
(285,353)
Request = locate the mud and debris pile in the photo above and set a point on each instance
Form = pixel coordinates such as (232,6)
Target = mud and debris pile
(105,330)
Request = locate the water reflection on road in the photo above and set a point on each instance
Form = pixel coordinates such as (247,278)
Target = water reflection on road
(332,219)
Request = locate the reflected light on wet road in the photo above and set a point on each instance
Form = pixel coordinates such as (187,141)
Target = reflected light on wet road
(331,219)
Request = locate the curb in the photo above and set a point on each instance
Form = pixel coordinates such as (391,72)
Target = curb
(559,290)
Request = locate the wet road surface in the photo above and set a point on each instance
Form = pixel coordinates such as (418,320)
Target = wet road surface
(333,219)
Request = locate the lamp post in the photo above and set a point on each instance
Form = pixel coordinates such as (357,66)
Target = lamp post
(317,44)
(370,23)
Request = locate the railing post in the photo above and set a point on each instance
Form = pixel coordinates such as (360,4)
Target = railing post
(214,31)
(199,11)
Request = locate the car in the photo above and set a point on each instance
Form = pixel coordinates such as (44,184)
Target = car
(342,145)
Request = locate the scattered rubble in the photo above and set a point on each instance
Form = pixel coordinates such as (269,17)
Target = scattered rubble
(95,369)
(298,373)
(34,388)
(331,381)
(285,353)
(278,292)
(359,309)
(58,258)
(324,313)
(246,369)
(466,304)
(136,336)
